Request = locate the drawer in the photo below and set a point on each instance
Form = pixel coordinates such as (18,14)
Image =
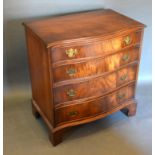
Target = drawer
(94,87)
(95,49)
(101,105)
(96,66)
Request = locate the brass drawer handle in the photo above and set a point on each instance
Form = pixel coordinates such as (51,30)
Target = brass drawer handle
(71,93)
(71,52)
(125,57)
(124,77)
(71,71)
(127,40)
(121,96)
(73,113)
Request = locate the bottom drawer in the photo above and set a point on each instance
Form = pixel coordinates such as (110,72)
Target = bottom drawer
(95,107)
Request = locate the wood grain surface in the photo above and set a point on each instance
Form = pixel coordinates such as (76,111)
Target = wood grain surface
(83,67)
(95,49)
(81,25)
(95,66)
(100,105)
(95,87)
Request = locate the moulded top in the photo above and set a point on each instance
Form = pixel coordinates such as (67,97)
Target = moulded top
(81,25)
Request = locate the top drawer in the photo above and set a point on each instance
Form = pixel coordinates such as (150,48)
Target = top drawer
(97,49)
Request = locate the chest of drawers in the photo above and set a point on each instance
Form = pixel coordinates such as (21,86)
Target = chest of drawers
(83,67)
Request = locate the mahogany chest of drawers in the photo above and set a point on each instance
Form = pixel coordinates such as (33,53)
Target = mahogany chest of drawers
(83,67)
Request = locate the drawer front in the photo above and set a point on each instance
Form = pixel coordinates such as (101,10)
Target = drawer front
(92,108)
(95,49)
(95,67)
(94,87)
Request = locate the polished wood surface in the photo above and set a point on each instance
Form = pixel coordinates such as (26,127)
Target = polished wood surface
(97,106)
(97,87)
(39,72)
(83,67)
(96,66)
(80,25)
(96,49)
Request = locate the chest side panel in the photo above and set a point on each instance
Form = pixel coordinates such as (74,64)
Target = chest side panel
(40,75)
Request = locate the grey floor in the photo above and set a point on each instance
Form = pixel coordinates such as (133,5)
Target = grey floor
(113,135)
